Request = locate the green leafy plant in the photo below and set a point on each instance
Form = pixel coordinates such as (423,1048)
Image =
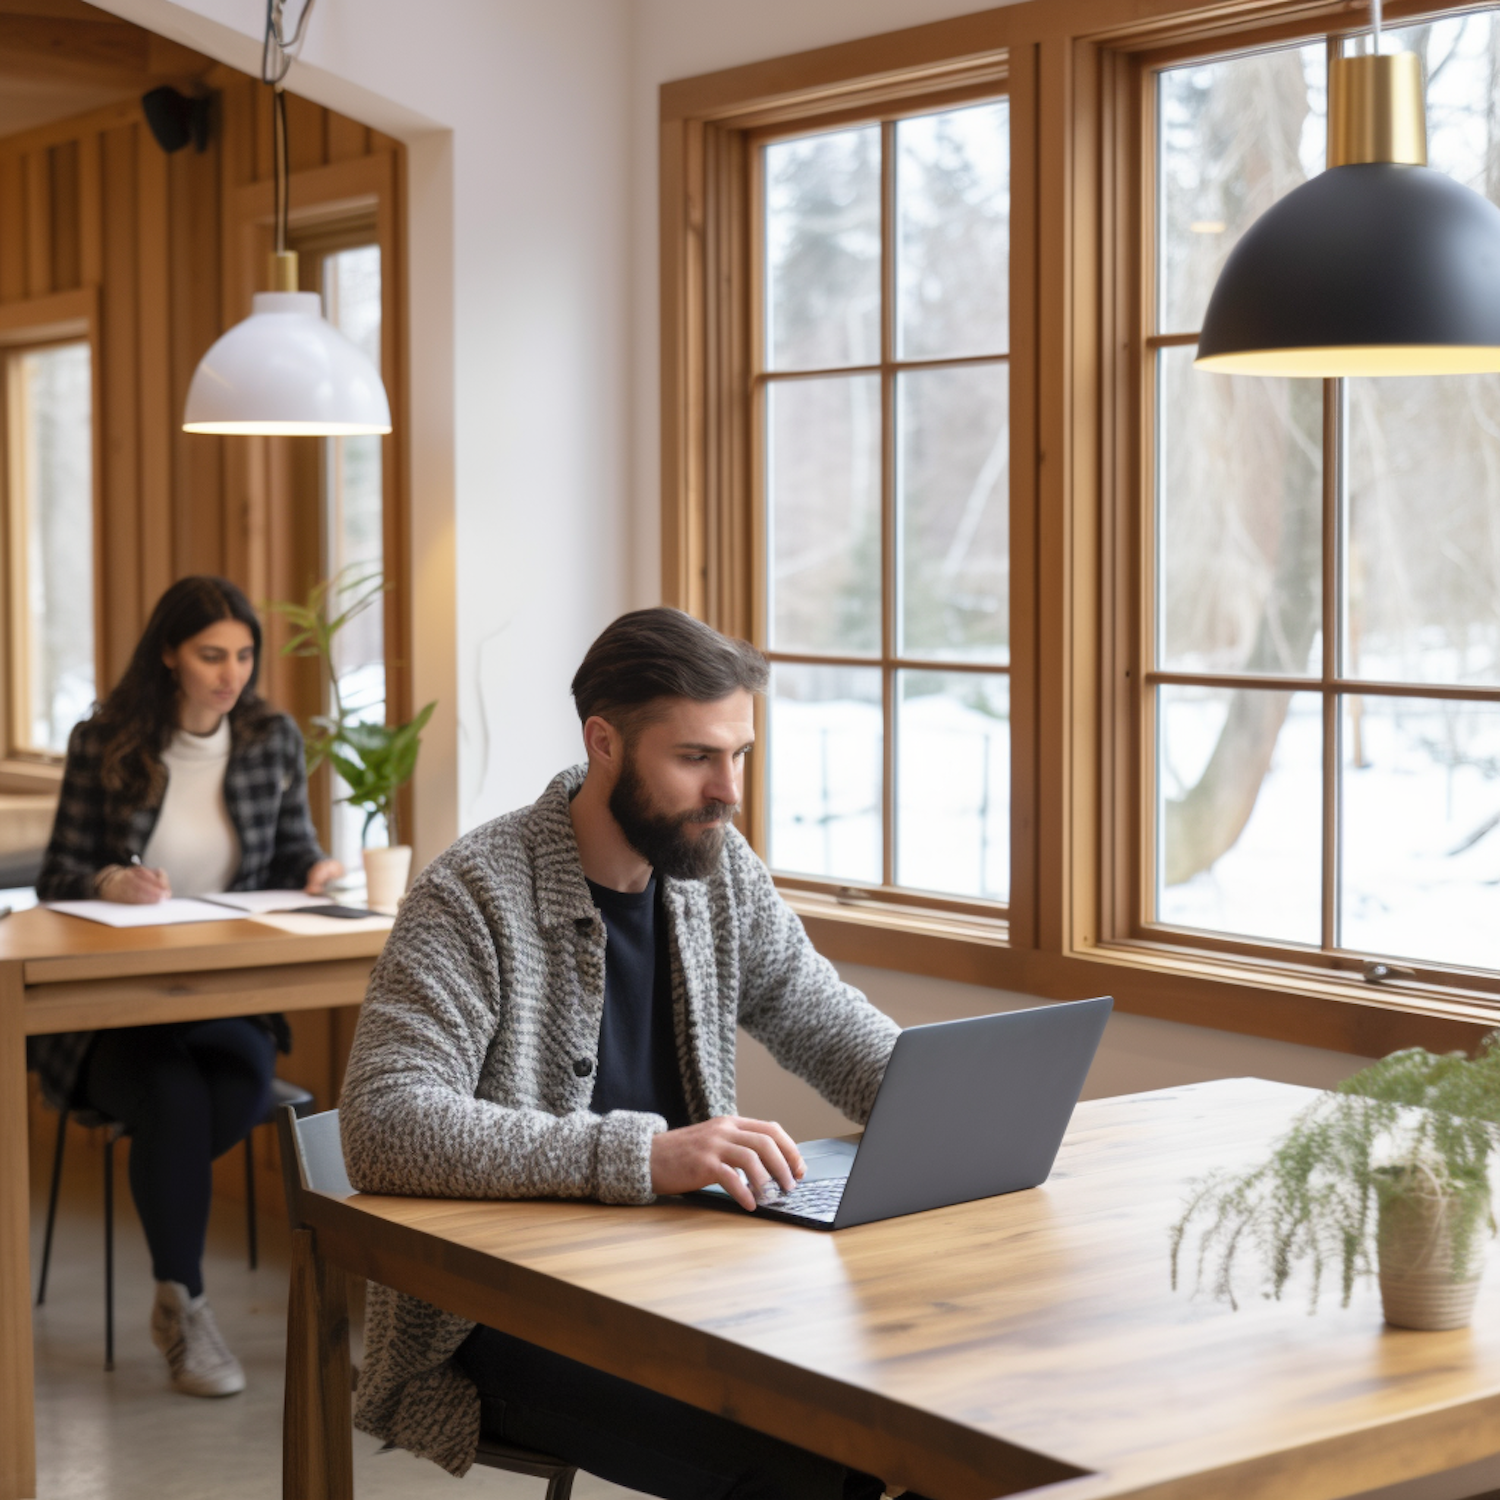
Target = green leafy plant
(375,760)
(1414,1124)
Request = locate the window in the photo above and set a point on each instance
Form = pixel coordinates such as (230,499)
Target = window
(354,519)
(881,391)
(50,511)
(1322,695)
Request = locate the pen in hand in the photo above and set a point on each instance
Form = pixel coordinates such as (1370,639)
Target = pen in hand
(148,886)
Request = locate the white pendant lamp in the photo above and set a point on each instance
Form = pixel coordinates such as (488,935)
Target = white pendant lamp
(285,371)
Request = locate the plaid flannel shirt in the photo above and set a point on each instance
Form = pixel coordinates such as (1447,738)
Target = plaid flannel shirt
(265,793)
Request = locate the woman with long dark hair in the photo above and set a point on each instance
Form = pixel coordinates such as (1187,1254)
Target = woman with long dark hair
(184,782)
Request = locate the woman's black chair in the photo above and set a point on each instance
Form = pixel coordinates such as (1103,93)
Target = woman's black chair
(284,1095)
(312,1161)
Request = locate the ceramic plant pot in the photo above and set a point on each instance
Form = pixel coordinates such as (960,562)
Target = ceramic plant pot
(386,874)
(1415,1244)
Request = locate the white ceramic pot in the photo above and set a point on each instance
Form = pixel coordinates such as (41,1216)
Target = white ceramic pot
(386,874)
(1417,1287)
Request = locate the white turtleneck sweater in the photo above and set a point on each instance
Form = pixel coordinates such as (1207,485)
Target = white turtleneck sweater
(194,840)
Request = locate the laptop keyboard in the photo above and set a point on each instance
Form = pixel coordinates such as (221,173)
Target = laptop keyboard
(816,1199)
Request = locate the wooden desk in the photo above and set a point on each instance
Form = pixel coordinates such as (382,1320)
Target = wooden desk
(59,973)
(1017,1343)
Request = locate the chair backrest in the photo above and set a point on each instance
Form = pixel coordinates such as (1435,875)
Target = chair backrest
(312,1158)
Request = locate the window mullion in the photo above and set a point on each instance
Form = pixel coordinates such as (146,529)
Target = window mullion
(1333,487)
(888,544)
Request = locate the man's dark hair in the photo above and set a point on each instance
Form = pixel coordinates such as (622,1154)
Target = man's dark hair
(658,653)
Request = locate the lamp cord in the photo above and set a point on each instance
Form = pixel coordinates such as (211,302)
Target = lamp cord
(278,54)
(282,164)
(276,60)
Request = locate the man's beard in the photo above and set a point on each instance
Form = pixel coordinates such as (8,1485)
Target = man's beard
(663,840)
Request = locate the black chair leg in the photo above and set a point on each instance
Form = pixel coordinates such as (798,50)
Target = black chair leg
(109,1250)
(57,1160)
(250,1199)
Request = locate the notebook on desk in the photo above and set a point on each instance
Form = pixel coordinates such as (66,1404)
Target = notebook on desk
(967,1109)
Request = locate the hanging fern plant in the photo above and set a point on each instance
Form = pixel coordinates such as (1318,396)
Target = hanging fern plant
(1415,1126)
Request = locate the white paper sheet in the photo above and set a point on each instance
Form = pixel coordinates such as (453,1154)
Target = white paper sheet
(259,901)
(309,924)
(157,914)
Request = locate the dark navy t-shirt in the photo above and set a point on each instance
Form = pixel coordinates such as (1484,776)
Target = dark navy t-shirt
(637,1066)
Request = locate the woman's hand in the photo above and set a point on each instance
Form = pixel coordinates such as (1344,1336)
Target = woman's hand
(134,885)
(320,874)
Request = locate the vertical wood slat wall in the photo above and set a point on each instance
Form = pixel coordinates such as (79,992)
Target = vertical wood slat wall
(95,202)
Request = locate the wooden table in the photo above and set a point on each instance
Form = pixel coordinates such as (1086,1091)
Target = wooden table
(60,973)
(1030,1342)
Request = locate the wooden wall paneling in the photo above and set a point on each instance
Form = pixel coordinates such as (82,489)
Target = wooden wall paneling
(237,121)
(66,268)
(1026,753)
(306,133)
(154,369)
(197,459)
(347,138)
(37,177)
(264,138)
(120,533)
(237,164)
(13,239)
(90,209)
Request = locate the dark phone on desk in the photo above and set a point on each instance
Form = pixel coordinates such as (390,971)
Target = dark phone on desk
(343,911)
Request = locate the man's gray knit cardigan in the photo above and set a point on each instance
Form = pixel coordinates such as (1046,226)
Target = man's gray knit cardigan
(462,1083)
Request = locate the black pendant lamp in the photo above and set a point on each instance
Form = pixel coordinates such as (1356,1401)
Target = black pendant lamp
(1378,266)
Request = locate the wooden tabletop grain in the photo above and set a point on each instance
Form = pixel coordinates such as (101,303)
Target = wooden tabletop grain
(1020,1342)
(55,947)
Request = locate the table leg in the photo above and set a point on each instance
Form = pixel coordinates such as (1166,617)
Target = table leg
(317,1433)
(17,1412)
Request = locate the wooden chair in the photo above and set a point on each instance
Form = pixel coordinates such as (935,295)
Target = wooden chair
(312,1161)
(284,1095)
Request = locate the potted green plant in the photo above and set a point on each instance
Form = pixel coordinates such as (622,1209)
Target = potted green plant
(1387,1173)
(375,760)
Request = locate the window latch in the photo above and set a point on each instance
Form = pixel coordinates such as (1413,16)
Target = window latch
(1378,973)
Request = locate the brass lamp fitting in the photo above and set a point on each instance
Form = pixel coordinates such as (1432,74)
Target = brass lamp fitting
(283,271)
(1378,114)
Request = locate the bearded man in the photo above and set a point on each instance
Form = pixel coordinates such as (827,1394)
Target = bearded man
(554,1015)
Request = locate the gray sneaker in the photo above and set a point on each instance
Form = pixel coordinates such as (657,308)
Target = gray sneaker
(183,1328)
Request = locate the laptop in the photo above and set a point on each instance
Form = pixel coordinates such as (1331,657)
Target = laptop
(967,1109)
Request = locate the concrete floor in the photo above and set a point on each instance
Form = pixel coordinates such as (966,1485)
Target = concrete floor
(127,1435)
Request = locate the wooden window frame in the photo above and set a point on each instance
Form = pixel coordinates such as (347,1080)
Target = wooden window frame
(1128,921)
(888,660)
(39,323)
(1072,69)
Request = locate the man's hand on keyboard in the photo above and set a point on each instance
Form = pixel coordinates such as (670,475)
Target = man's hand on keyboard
(719,1151)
